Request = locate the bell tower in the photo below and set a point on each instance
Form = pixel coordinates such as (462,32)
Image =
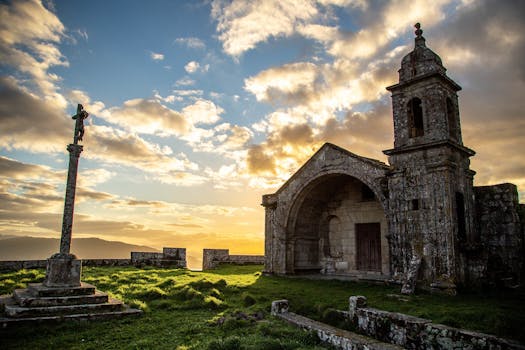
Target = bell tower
(430,185)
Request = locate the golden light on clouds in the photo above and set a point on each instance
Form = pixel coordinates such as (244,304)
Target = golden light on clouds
(187,132)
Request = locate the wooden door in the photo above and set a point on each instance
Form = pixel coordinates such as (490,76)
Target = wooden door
(368,243)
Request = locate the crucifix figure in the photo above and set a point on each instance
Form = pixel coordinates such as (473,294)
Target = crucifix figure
(79,125)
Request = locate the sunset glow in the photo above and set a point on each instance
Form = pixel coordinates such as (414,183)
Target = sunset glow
(199,108)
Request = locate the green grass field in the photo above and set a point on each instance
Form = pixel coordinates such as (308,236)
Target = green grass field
(229,308)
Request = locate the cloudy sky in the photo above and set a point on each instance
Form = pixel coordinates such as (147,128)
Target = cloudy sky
(198,108)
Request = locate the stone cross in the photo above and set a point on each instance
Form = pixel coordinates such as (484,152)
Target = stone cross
(79,125)
(74,154)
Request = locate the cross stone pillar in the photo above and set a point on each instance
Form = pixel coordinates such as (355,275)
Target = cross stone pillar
(64,269)
(69,205)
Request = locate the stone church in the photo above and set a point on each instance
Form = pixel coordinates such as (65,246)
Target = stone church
(417,220)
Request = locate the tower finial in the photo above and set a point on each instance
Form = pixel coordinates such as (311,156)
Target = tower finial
(418,31)
(419,40)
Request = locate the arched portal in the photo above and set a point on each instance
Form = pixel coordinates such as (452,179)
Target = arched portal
(337,226)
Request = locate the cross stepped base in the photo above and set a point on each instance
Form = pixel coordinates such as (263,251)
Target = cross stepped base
(39,303)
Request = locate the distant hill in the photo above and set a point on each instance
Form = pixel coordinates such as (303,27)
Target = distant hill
(6,236)
(35,248)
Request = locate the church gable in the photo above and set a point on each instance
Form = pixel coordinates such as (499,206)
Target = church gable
(334,201)
(332,159)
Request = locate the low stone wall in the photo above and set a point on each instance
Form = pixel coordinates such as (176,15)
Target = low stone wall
(338,338)
(144,256)
(15,265)
(170,257)
(211,258)
(417,333)
(106,262)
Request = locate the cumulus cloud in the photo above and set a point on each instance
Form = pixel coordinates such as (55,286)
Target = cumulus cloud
(260,161)
(493,127)
(315,91)
(118,147)
(31,188)
(76,96)
(232,136)
(194,66)
(391,20)
(188,92)
(30,123)
(29,35)
(203,112)
(243,24)
(310,96)
(148,116)
(294,79)
(11,168)
(156,56)
(191,42)
(185,81)
(191,67)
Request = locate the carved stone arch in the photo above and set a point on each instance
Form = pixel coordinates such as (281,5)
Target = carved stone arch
(307,223)
(373,184)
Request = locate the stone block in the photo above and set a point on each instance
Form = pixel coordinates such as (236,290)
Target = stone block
(17,311)
(174,253)
(280,307)
(25,298)
(355,302)
(341,265)
(43,291)
(409,285)
(63,272)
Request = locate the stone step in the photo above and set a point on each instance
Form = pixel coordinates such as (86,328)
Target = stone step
(25,298)
(39,290)
(12,309)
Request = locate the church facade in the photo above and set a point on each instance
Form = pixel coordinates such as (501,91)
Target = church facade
(417,220)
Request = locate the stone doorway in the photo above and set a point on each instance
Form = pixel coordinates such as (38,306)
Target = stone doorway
(368,243)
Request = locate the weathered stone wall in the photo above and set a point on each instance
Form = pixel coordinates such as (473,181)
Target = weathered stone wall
(170,257)
(338,338)
(497,258)
(36,264)
(417,333)
(174,253)
(211,258)
(423,207)
(137,257)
